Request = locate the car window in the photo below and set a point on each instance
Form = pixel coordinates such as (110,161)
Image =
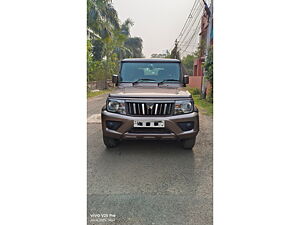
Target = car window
(157,72)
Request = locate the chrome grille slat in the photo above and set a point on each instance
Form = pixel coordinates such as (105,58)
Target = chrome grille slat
(150,108)
(143,109)
(129,108)
(156,106)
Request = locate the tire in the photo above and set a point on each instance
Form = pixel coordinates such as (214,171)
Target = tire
(110,142)
(188,144)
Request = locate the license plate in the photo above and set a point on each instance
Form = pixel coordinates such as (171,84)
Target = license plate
(157,124)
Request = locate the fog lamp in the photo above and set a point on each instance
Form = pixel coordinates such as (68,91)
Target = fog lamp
(113,125)
(186,126)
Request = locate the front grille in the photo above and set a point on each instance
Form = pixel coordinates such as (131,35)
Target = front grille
(148,109)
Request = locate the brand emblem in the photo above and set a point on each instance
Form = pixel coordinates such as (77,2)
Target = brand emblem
(150,106)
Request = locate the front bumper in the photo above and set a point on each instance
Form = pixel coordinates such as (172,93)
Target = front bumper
(172,130)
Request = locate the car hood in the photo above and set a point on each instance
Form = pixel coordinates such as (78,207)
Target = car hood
(150,92)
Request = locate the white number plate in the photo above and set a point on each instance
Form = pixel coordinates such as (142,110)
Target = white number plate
(157,124)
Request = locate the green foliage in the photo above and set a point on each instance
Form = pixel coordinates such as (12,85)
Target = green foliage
(188,63)
(125,28)
(135,45)
(111,41)
(210,98)
(91,66)
(194,91)
(206,106)
(209,72)
(102,18)
(203,105)
(209,66)
(98,49)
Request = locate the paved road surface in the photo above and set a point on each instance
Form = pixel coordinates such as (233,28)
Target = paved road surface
(148,182)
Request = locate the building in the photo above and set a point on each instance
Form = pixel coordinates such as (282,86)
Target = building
(206,41)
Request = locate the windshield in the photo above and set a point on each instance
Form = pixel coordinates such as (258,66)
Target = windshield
(150,72)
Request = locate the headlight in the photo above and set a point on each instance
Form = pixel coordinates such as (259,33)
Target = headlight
(182,107)
(116,106)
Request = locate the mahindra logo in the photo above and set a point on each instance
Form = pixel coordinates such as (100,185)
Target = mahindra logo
(150,106)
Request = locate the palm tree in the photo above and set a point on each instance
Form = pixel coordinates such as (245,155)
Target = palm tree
(102,18)
(125,28)
(109,41)
(135,45)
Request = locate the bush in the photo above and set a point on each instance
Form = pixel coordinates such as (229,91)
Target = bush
(210,99)
(209,66)
(195,91)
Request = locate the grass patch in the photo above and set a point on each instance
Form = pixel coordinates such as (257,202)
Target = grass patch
(204,106)
(97,93)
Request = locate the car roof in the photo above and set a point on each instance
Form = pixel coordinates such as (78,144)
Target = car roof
(150,60)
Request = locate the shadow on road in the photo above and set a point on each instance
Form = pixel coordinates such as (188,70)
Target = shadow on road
(147,146)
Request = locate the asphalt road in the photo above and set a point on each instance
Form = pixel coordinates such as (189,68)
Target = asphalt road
(148,182)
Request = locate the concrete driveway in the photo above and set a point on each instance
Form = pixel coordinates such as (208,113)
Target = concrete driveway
(148,182)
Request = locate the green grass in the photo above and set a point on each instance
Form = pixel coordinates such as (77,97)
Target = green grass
(101,92)
(203,105)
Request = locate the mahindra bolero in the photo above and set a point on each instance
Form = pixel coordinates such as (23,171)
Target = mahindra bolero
(150,102)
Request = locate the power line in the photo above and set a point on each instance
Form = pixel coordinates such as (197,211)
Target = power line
(187,22)
(188,34)
(193,36)
(190,39)
(186,37)
(192,22)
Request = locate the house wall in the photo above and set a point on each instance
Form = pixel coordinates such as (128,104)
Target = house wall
(197,68)
(195,82)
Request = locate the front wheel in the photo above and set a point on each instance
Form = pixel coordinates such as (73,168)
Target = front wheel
(110,142)
(189,143)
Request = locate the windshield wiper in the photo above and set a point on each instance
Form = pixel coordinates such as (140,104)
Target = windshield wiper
(142,79)
(167,80)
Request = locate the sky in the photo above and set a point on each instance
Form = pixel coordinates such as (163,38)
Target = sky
(157,22)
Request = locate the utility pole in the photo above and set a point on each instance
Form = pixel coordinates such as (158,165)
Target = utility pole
(175,53)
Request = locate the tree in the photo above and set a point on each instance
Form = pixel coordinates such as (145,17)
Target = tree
(135,45)
(110,41)
(209,72)
(188,63)
(95,69)
(102,18)
(125,28)
(98,49)
(209,66)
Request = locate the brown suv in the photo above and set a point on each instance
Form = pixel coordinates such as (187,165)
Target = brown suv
(150,103)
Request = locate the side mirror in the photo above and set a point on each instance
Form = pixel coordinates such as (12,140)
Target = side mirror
(115,78)
(186,79)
